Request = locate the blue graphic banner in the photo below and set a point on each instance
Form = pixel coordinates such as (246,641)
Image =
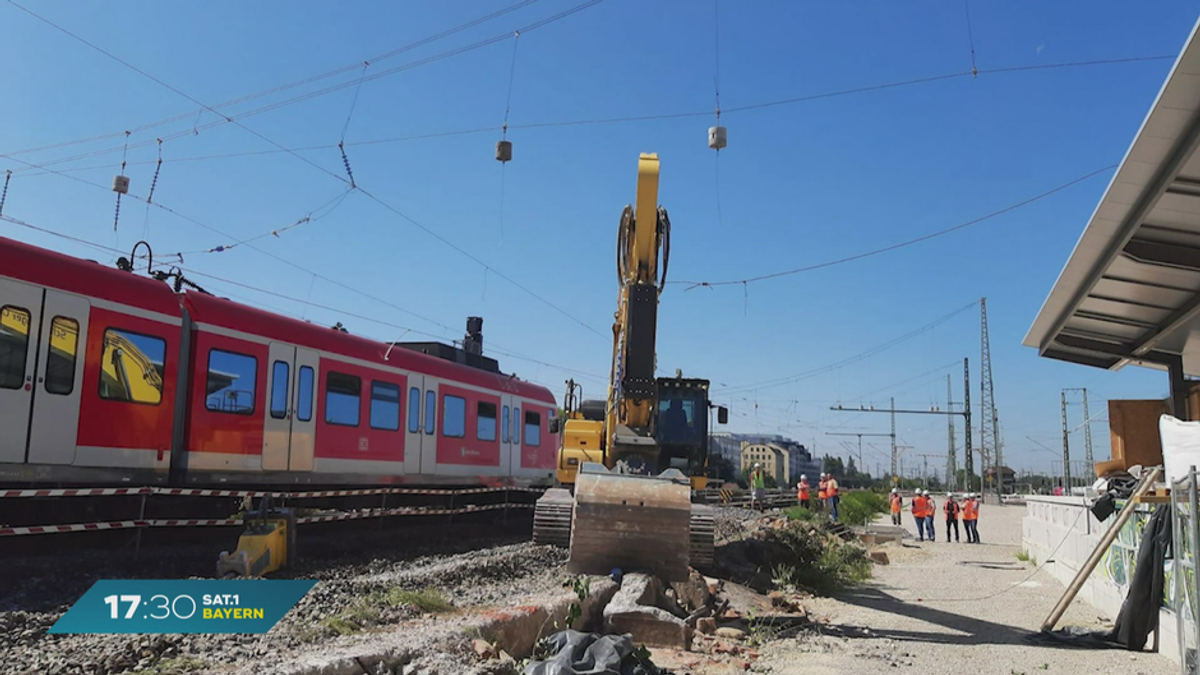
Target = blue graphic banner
(183,606)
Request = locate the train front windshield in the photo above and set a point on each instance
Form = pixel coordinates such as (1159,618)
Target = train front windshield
(681,416)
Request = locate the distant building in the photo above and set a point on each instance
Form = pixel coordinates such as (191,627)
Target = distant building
(772,457)
(1010,476)
(795,459)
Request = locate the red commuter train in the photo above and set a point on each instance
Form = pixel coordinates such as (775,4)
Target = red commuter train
(107,377)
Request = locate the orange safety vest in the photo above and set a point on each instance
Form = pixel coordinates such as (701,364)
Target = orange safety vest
(970,510)
(804,490)
(951,509)
(821,490)
(896,501)
(919,506)
(831,489)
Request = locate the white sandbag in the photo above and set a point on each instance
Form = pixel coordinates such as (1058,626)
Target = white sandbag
(1180,445)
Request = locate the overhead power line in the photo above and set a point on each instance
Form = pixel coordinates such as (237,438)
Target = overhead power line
(853,359)
(552,124)
(903,244)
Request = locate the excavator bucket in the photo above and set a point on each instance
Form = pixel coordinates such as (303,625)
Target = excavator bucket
(633,522)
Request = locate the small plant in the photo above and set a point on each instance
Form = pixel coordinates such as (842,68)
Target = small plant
(1023,556)
(429,600)
(583,590)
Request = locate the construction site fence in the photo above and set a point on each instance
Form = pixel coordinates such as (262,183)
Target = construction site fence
(330,515)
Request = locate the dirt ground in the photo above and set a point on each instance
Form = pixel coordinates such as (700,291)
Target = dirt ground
(930,611)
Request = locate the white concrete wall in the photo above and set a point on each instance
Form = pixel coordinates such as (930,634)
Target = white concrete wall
(1066,524)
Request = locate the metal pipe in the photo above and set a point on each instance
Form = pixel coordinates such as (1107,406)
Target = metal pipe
(1094,559)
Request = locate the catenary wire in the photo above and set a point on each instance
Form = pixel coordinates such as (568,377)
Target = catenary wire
(903,244)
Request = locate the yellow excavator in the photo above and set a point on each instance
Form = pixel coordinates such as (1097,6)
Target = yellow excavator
(633,459)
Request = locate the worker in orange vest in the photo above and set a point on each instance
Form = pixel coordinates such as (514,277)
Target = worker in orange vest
(970,515)
(919,511)
(822,492)
(804,494)
(897,503)
(952,511)
(831,491)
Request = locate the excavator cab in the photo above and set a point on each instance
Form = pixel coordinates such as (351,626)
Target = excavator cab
(682,427)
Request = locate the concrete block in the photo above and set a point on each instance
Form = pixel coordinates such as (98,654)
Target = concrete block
(694,593)
(636,609)
(518,629)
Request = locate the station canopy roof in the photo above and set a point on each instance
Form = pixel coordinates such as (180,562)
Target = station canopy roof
(1130,292)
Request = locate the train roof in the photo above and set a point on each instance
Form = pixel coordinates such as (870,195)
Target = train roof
(85,277)
(233,315)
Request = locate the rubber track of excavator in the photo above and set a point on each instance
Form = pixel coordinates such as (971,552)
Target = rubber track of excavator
(552,518)
(702,535)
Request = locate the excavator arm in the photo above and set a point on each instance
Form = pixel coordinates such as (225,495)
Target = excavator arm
(627,512)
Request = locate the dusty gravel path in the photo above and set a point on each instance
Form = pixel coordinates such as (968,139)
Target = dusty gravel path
(922,614)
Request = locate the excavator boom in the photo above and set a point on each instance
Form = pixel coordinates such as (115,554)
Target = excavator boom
(631,510)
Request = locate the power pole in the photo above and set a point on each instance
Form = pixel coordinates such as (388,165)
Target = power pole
(1066,448)
(987,400)
(968,451)
(951,456)
(1087,437)
(894,458)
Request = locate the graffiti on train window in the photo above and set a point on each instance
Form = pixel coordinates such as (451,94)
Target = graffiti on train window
(232,379)
(62,347)
(131,368)
(14,346)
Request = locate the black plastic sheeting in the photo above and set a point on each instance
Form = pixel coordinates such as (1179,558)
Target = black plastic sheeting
(1139,612)
(578,653)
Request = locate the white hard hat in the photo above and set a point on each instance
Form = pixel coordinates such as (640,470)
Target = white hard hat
(920,491)
(757,465)
(895,490)
(803,477)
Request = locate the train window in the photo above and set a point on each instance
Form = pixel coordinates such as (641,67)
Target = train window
(516,425)
(533,428)
(279,390)
(304,394)
(485,421)
(414,410)
(232,382)
(343,395)
(454,416)
(385,406)
(430,412)
(131,369)
(61,351)
(504,424)
(14,346)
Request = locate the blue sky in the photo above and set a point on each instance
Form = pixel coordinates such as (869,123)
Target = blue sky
(799,184)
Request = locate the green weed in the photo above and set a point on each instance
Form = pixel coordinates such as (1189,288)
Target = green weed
(428,600)
(1023,556)
(175,666)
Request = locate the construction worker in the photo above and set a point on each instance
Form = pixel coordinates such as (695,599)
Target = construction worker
(758,483)
(970,516)
(822,492)
(897,503)
(803,490)
(918,513)
(930,514)
(831,491)
(952,510)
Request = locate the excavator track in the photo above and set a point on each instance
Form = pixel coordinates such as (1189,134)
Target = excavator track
(552,518)
(702,535)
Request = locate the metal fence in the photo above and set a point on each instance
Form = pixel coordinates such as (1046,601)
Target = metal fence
(1185,534)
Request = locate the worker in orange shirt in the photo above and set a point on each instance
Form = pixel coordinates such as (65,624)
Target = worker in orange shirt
(919,511)
(822,492)
(803,492)
(970,515)
(897,503)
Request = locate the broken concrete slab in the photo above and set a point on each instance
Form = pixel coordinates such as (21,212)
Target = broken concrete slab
(517,630)
(638,609)
(693,593)
(879,557)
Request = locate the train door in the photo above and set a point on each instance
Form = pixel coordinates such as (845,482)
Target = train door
(289,427)
(420,432)
(20,312)
(516,429)
(510,453)
(304,422)
(62,343)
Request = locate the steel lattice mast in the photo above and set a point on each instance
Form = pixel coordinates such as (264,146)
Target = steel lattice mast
(951,457)
(987,400)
